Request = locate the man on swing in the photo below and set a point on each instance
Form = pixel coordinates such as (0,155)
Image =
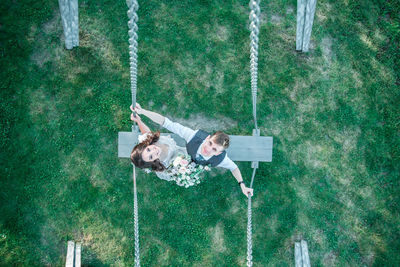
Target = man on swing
(204,149)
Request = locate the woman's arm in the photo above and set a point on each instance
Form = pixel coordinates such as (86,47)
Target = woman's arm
(142,126)
(184,132)
(157,118)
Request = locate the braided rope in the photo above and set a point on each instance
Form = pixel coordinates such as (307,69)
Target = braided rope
(133,7)
(249,226)
(254,28)
(249,238)
(135,220)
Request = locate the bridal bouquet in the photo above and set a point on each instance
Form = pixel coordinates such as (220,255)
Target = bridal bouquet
(186,173)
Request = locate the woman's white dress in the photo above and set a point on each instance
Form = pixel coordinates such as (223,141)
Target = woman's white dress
(173,151)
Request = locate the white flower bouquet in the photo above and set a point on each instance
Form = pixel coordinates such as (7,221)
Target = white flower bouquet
(186,173)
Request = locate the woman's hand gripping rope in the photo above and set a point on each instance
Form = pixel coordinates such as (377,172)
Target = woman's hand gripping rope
(135,114)
(138,109)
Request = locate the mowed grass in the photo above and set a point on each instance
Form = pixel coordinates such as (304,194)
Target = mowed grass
(333,113)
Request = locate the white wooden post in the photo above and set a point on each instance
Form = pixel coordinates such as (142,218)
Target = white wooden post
(70,254)
(301,11)
(78,255)
(310,11)
(297,255)
(70,22)
(301,257)
(304,254)
(305,19)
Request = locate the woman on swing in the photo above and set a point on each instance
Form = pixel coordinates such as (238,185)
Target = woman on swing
(154,151)
(157,152)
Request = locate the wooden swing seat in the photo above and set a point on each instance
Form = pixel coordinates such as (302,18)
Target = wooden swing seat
(242,148)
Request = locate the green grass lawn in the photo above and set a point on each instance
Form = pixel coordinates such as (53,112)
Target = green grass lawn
(333,112)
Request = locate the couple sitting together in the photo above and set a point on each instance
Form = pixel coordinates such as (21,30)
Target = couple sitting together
(159,153)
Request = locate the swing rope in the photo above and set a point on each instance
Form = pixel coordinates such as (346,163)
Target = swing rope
(136,220)
(133,7)
(254,28)
(249,226)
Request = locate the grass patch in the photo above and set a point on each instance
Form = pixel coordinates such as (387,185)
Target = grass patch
(333,113)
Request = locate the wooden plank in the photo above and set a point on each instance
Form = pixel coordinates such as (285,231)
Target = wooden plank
(78,255)
(297,255)
(263,155)
(304,254)
(70,254)
(242,148)
(250,141)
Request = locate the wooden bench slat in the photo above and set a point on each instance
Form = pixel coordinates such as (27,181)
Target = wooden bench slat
(250,141)
(304,254)
(242,148)
(78,249)
(297,255)
(70,254)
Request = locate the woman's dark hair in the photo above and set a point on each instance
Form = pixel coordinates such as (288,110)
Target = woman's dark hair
(136,154)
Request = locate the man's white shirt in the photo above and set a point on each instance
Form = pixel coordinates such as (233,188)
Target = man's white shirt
(187,134)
